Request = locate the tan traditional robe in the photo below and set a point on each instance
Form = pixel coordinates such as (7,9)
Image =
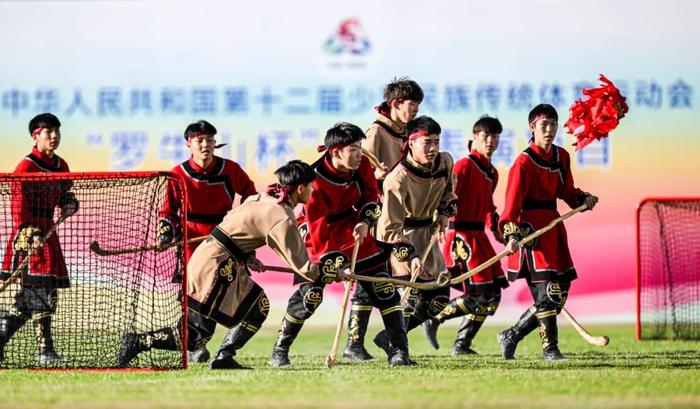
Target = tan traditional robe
(218,282)
(415,192)
(384,144)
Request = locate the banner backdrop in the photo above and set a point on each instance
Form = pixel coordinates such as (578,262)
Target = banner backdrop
(125,78)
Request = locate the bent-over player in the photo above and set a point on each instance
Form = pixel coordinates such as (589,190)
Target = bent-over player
(220,289)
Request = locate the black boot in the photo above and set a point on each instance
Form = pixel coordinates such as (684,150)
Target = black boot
(199,356)
(549,335)
(394,338)
(133,344)
(467,331)
(457,307)
(430,327)
(9,324)
(288,333)
(509,338)
(383,341)
(44,340)
(400,358)
(236,338)
(357,328)
(417,317)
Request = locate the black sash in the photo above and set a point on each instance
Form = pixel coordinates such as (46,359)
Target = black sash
(414,223)
(467,225)
(533,204)
(230,246)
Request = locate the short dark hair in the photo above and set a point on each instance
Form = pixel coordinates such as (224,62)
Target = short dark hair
(200,127)
(45,120)
(402,89)
(295,173)
(487,124)
(423,123)
(543,109)
(343,134)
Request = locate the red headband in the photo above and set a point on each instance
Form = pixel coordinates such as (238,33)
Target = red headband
(322,148)
(412,137)
(38,130)
(538,117)
(384,108)
(280,192)
(417,134)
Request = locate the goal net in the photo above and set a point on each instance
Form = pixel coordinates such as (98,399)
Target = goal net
(64,306)
(668,279)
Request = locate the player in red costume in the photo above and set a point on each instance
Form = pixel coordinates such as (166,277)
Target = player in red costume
(33,205)
(212,184)
(539,176)
(341,210)
(466,243)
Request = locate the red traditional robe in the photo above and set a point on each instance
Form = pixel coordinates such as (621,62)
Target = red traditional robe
(33,203)
(466,245)
(210,195)
(337,204)
(535,181)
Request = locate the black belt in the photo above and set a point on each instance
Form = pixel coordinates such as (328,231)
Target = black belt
(532,204)
(410,222)
(228,244)
(467,225)
(339,216)
(205,218)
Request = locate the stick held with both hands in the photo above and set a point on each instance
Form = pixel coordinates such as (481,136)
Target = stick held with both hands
(593,340)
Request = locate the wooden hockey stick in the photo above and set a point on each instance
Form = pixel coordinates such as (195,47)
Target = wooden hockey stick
(95,247)
(373,160)
(430,285)
(330,359)
(488,263)
(599,341)
(13,277)
(424,257)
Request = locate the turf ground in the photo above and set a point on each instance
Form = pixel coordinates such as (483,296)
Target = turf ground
(624,374)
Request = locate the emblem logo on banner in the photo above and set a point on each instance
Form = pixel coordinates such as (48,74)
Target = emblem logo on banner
(348,48)
(349,38)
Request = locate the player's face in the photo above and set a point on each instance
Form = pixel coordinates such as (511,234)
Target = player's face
(349,157)
(202,147)
(486,143)
(405,110)
(47,140)
(425,149)
(305,192)
(544,131)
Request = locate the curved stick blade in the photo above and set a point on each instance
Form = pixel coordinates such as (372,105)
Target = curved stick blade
(95,247)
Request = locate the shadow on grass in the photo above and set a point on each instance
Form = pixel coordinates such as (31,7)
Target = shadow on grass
(681,359)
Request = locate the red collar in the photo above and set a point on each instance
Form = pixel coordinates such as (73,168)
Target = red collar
(542,153)
(44,157)
(199,169)
(483,160)
(328,165)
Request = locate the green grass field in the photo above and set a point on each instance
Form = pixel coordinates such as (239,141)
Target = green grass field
(624,374)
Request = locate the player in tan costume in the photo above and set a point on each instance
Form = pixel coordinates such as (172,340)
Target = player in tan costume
(384,139)
(219,286)
(419,186)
